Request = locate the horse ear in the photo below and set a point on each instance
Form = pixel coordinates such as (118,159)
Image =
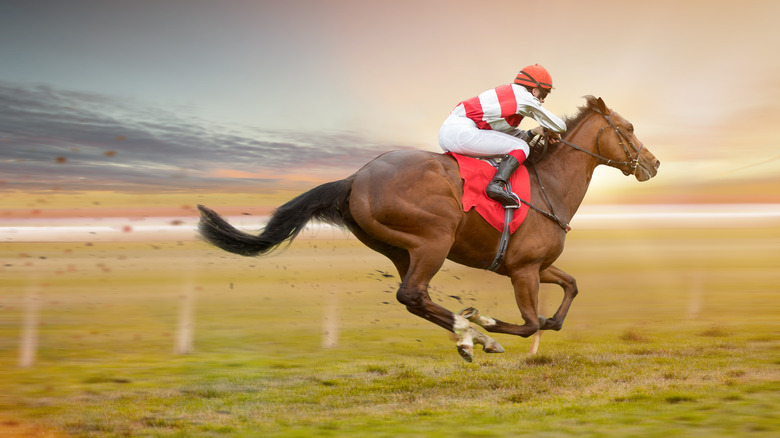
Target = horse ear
(596,104)
(602,106)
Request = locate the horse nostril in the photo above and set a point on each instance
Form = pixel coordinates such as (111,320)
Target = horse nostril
(657,164)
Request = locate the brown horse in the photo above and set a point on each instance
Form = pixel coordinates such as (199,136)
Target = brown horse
(407,205)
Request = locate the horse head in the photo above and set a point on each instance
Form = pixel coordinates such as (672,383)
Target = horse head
(618,146)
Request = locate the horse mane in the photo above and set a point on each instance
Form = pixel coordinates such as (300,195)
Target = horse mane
(592,103)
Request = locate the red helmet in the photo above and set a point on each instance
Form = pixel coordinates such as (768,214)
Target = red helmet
(534,76)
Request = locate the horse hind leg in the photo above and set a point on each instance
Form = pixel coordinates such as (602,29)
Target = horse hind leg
(467,335)
(413,293)
(418,257)
(398,256)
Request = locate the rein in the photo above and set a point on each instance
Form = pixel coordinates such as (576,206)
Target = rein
(551,214)
(632,164)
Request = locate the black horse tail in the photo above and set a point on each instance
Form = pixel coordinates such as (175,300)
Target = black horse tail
(325,203)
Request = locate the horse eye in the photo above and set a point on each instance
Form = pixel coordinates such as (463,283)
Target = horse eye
(630,127)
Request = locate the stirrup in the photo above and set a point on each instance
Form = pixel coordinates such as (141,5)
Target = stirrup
(513,207)
(509,193)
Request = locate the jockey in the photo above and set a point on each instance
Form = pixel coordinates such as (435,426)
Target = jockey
(486,126)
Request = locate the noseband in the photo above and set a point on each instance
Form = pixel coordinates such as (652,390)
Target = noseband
(628,167)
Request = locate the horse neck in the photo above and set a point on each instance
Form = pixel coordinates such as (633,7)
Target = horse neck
(566,172)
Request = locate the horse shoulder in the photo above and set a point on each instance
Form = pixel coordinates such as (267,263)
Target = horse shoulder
(538,242)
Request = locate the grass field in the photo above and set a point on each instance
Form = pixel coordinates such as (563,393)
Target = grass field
(674,333)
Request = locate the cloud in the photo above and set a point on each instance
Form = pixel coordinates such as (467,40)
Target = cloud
(78,141)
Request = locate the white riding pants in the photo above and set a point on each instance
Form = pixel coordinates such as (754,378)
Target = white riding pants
(460,135)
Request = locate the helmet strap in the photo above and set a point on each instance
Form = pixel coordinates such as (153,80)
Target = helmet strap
(538,84)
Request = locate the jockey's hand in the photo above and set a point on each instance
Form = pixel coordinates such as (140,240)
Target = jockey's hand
(554,136)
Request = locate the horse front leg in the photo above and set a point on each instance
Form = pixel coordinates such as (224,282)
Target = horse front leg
(526,285)
(553,275)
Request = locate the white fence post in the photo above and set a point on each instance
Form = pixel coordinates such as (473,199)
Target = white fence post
(330,322)
(28,346)
(185,324)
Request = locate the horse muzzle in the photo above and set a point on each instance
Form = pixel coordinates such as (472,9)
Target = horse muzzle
(646,169)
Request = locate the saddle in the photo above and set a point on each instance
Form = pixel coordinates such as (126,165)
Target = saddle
(476,174)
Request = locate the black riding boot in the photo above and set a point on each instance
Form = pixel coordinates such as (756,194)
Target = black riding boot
(496,190)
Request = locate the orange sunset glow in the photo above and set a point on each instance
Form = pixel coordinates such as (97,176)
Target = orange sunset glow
(279,96)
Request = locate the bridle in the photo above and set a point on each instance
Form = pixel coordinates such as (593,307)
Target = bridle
(628,167)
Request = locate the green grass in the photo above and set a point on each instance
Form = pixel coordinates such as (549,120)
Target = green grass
(673,334)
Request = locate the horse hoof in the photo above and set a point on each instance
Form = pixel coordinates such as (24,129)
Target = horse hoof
(493,347)
(466,352)
(469,313)
(550,324)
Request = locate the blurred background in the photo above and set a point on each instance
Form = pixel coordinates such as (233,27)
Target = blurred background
(117,118)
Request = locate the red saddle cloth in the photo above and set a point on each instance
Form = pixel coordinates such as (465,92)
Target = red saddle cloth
(476,175)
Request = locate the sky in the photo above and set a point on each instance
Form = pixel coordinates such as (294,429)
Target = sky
(251,95)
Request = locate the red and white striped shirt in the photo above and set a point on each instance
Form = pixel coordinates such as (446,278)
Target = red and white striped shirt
(503,108)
